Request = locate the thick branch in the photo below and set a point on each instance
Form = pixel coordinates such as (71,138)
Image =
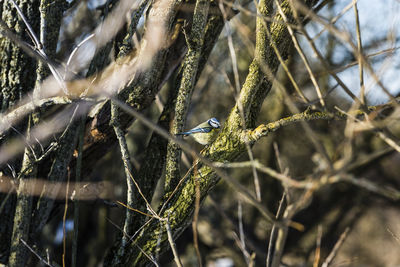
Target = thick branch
(190,69)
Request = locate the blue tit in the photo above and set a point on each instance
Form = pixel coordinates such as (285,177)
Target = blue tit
(205,132)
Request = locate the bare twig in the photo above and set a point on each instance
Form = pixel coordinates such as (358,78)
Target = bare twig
(334,19)
(346,38)
(302,55)
(360,51)
(384,134)
(241,234)
(286,180)
(336,248)
(151,258)
(47,263)
(172,244)
(130,181)
(195,221)
(64,223)
(71,56)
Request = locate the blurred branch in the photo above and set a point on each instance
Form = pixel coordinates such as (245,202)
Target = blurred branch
(126,46)
(317,254)
(314,182)
(387,192)
(273,250)
(12,117)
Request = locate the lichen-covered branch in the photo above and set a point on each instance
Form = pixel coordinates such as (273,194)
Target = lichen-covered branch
(23,209)
(190,68)
(264,129)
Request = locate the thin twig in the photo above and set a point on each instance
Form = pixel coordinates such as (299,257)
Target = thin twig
(335,249)
(64,222)
(394,236)
(389,141)
(232,224)
(321,58)
(73,53)
(360,51)
(284,179)
(172,244)
(333,20)
(135,210)
(346,38)
(286,69)
(125,234)
(36,254)
(130,181)
(196,219)
(241,233)
(302,55)
(382,133)
(239,243)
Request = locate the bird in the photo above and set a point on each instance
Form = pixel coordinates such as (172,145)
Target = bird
(205,132)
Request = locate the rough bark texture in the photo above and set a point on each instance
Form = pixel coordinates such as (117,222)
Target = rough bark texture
(17,69)
(17,77)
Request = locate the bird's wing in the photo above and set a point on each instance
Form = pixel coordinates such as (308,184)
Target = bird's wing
(201,130)
(197,130)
